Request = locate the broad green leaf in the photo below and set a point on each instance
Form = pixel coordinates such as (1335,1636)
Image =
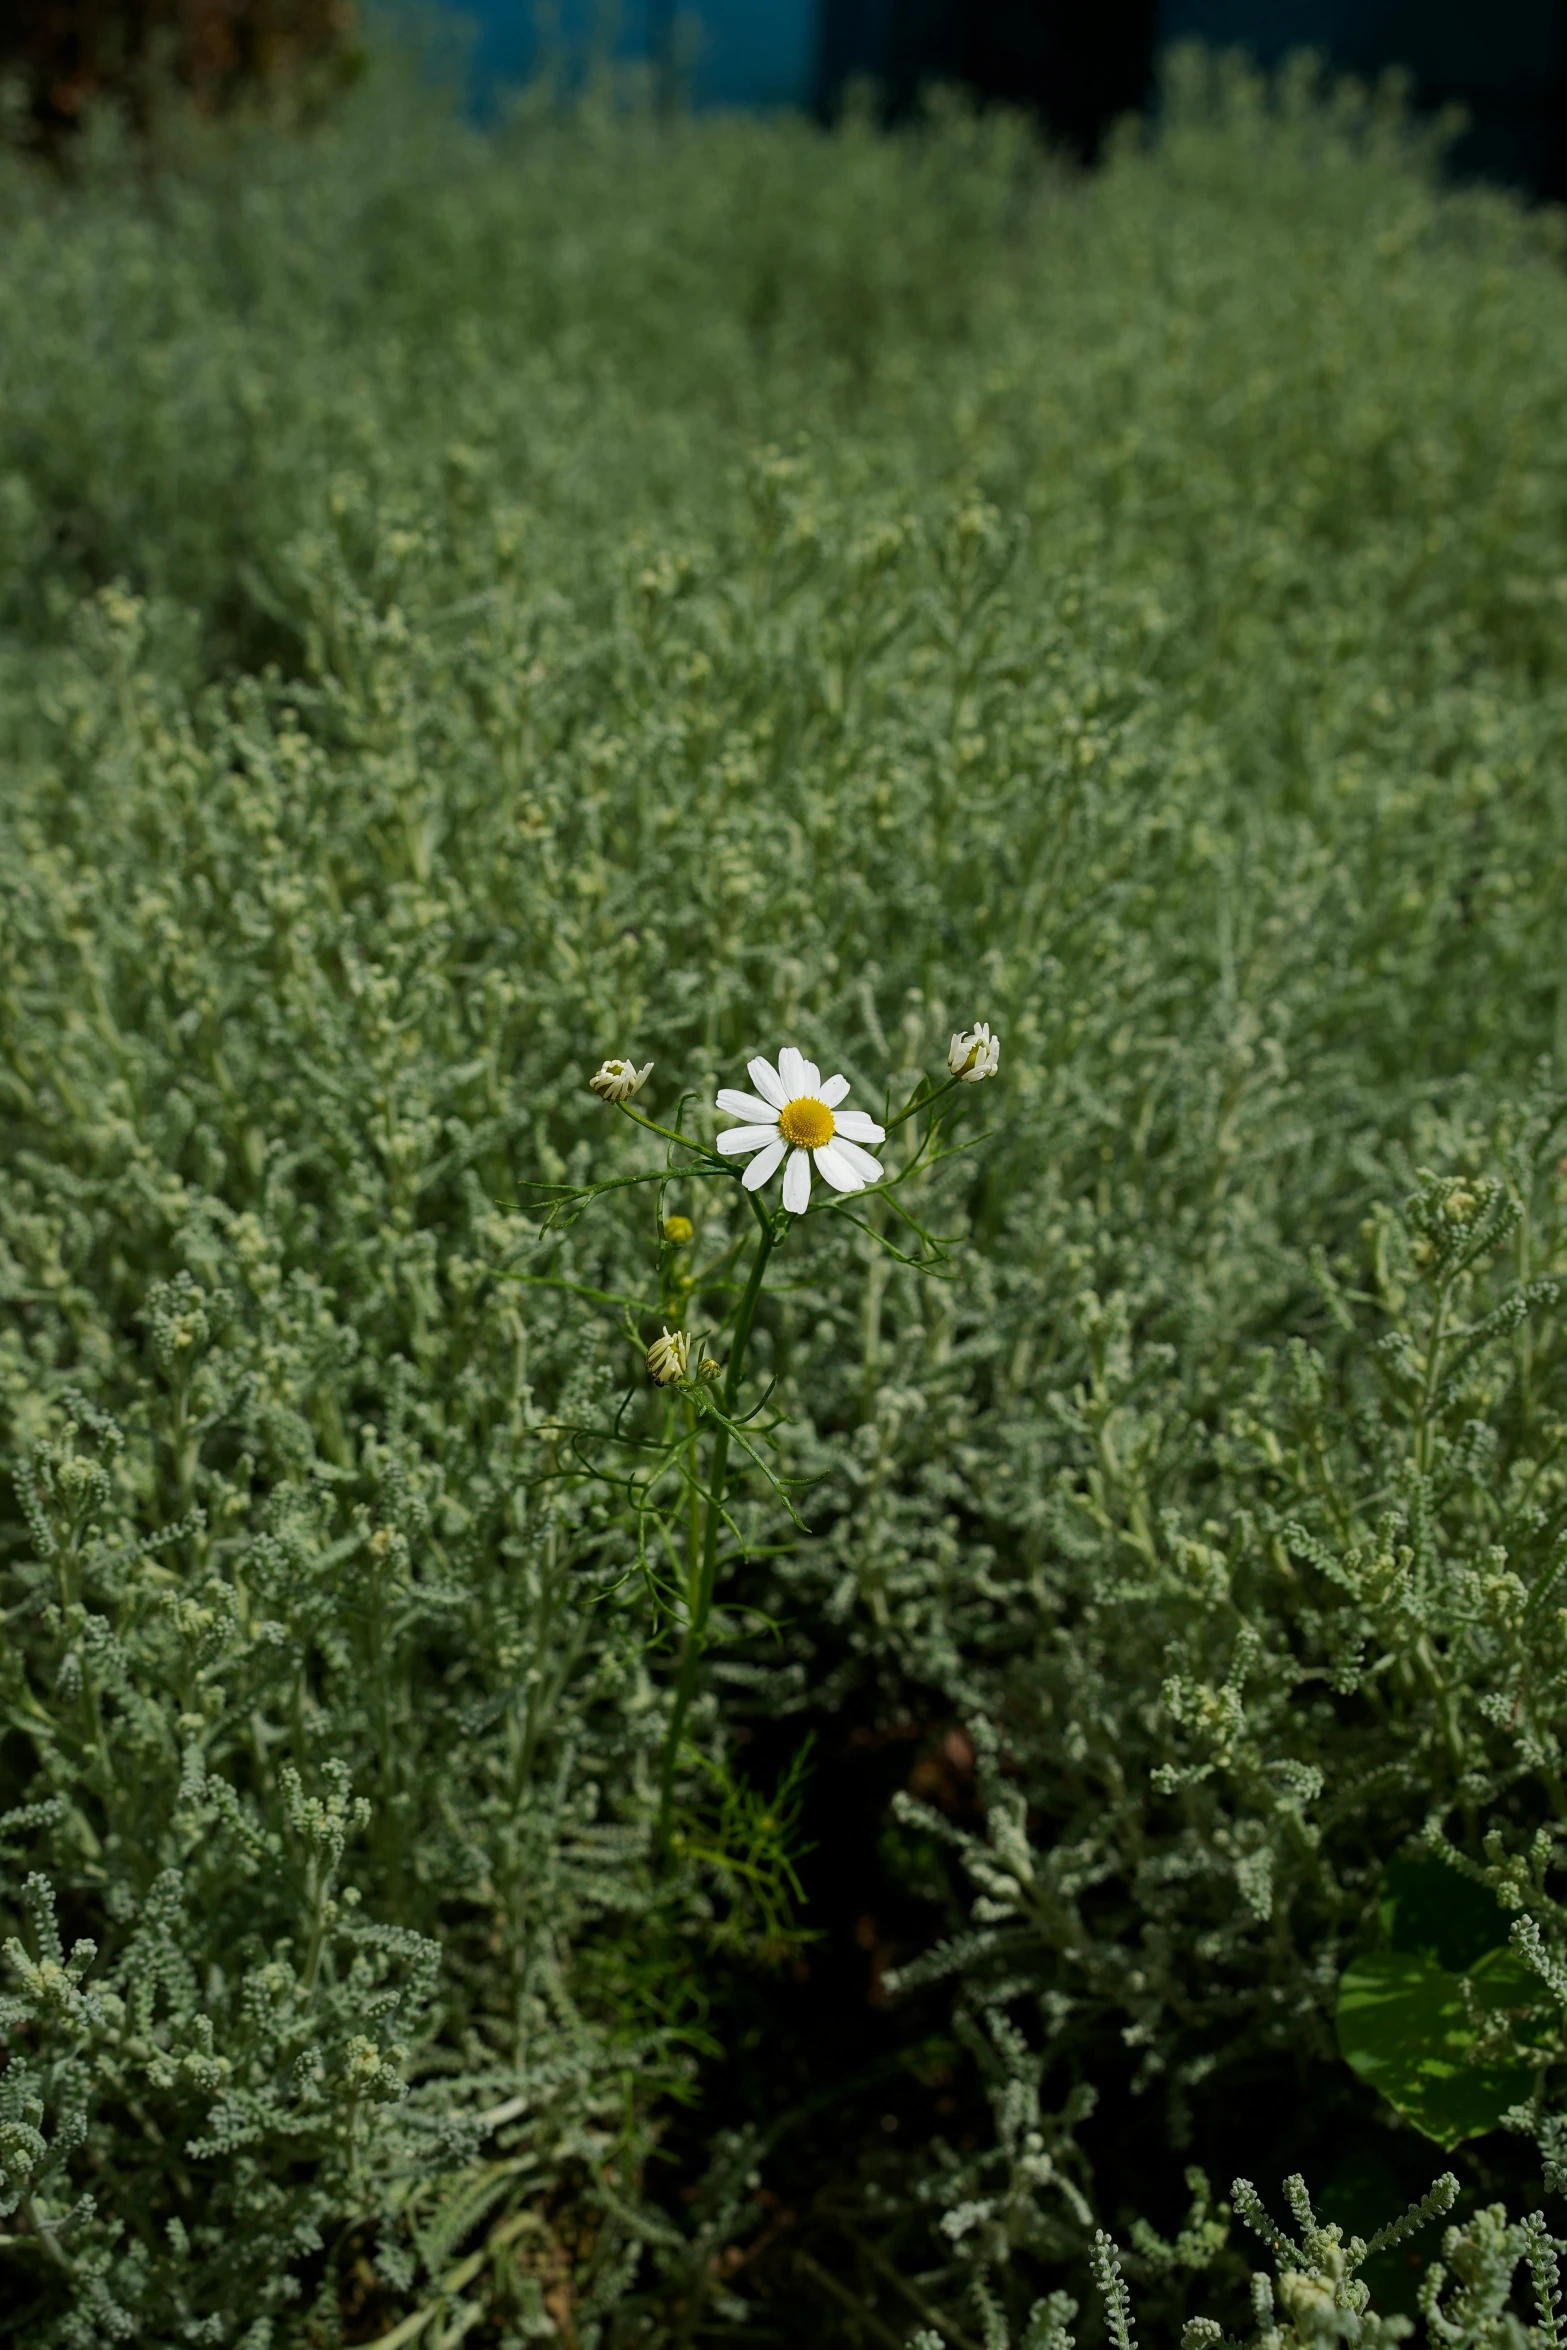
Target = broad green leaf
(1404,2027)
(1427,1908)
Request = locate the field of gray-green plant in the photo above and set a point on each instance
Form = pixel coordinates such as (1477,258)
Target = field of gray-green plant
(875,1827)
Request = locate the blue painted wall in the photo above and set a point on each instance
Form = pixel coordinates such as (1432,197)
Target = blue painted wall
(1505,59)
(743,52)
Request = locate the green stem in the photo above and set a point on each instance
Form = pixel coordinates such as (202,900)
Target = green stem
(320,1895)
(1428,1391)
(668,1134)
(46,2236)
(923,1102)
(700,1599)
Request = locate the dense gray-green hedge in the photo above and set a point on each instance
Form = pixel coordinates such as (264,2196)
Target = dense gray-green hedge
(475,607)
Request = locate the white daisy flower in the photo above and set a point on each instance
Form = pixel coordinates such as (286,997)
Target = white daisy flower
(797,1113)
(975,1055)
(668,1357)
(617,1081)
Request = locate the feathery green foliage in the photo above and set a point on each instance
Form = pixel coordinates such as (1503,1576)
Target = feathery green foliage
(471,608)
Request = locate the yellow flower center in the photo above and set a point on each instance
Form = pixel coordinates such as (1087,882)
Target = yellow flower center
(806,1123)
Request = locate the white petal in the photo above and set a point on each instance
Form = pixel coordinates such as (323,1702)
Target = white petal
(811,1079)
(792,1066)
(833,1091)
(797,1182)
(867,1168)
(859,1126)
(763,1165)
(741,1139)
(749,1106)
(767,1082)
(832,1164)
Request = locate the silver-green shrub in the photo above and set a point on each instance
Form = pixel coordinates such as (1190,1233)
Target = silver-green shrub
(472,609)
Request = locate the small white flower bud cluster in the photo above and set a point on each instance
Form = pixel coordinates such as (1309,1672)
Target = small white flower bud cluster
(974,1055)
(617,1081)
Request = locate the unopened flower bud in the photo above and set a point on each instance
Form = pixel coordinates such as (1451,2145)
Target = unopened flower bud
(668,1356)
(679,1231)
(709,1369)
(617,1081)
(974,1055)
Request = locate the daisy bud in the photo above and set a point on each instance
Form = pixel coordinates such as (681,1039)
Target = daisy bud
(667,1357)
(709,1370)
(679,1231)
(974,1056)
(617,1081)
